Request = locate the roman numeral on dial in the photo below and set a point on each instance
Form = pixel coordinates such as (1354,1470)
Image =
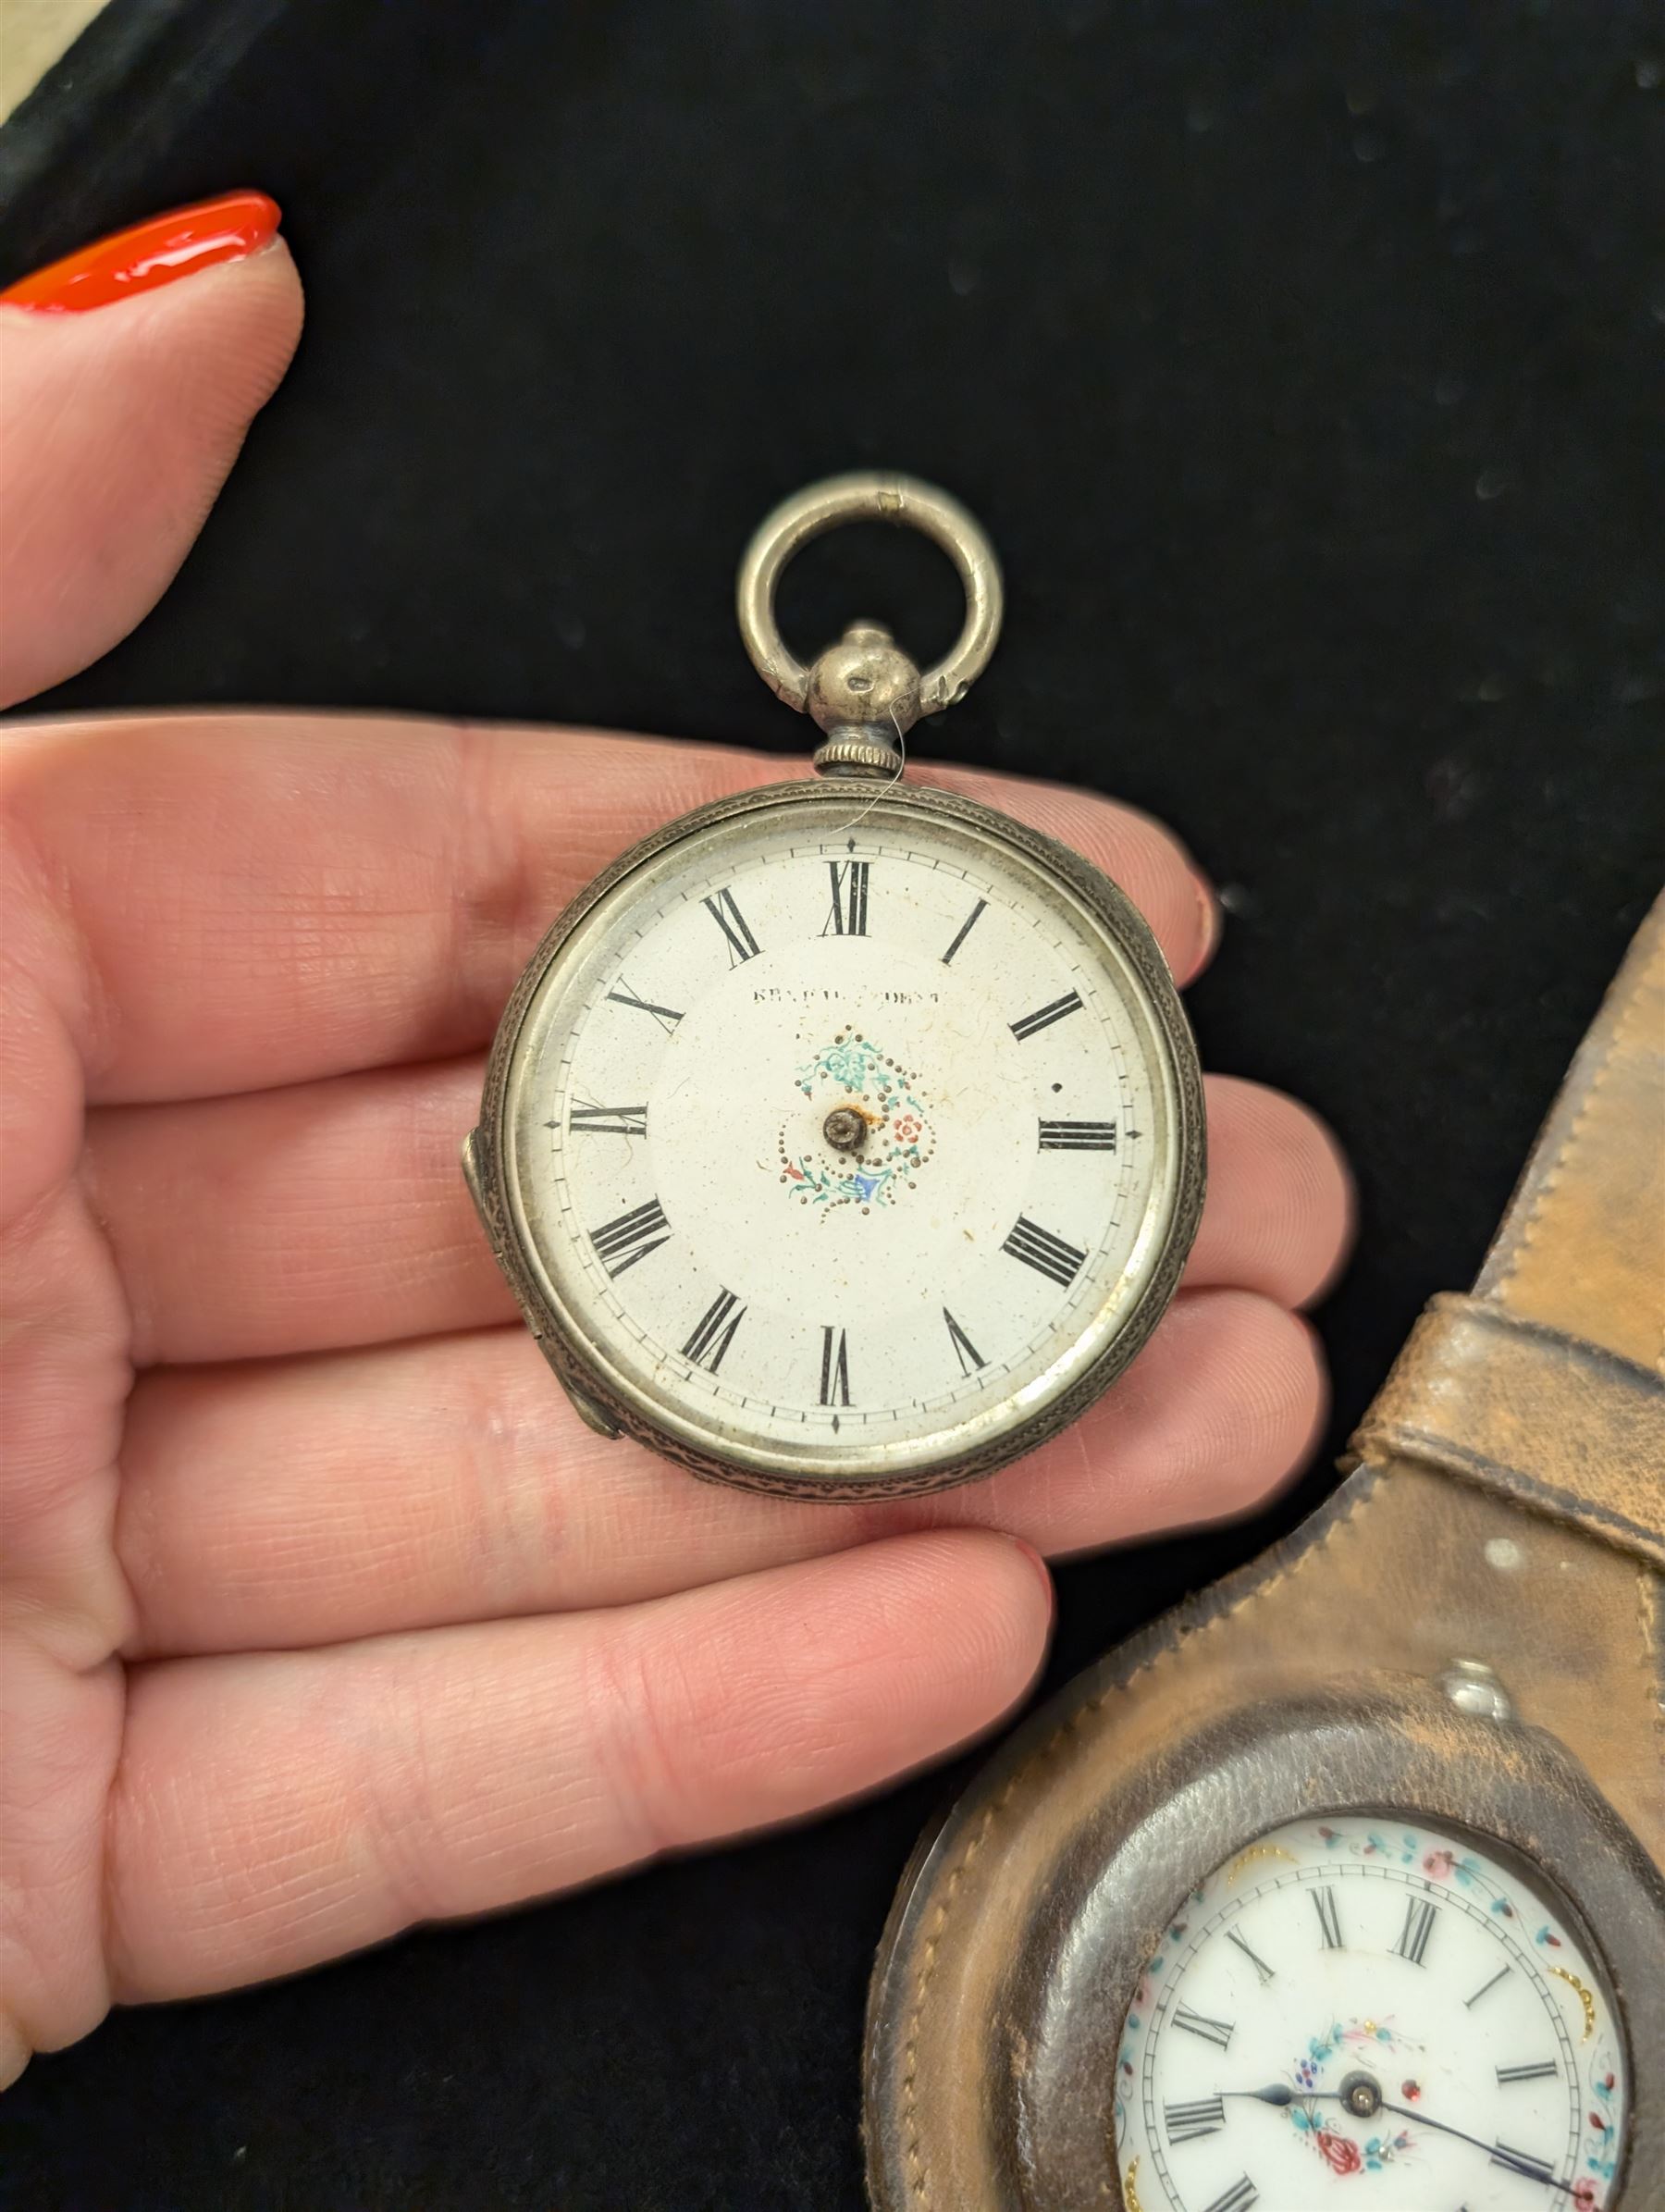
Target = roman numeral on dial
(1030,1025)
(964,931)
(1522,2163)
(971,1358)
(1049,1256)
(1542,2070)
(836,1367)
(1261,1969)
(715,1331)
(667,1017)
(1186,2122)
(1486,1988)
(1210,2030)
(619,1244)
(610,1122)
(1077,1136)
(1420,1917)
(1238,2198)
(848,918)
(1330,1918)
(742,944)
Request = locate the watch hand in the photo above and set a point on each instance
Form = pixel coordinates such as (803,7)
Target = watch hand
(1276,2092)
(1512,2161)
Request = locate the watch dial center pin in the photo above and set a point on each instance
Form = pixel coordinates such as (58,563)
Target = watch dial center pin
(846,1128)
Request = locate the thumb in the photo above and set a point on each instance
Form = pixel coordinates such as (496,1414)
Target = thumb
(128,375)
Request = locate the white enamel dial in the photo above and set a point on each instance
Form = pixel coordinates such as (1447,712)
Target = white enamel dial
(1364,2012)
(855,1298)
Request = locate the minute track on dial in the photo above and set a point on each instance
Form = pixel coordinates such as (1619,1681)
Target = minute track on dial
(677,968)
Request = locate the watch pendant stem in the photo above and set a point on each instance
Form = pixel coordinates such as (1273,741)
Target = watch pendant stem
(863,694)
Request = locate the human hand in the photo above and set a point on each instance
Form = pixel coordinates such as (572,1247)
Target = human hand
(322,1613)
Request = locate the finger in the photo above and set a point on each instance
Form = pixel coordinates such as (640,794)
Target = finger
(335,1212)
(1278,1217)
(1186,925)
(309,1500)
(274,1810)
(264,899)
(119,427)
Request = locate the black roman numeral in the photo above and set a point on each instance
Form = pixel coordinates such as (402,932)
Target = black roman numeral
(964,931)
(1420,1917)
(1542,2070)
(969,1356)
(836,1367)
(1050,1255)
(848,918)
(1238,2198)
(1186,2122)
(1522,2163)
(1030,1025)
(619,1244)
(610,1122)
(667,1017)
(715,1331)
(1210,2030)
(1255,1959)
(1486,1988)
(1077,1136)
(1330,1918)
(742,944)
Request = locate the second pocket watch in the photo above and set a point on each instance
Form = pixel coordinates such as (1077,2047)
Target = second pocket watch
(845,1137)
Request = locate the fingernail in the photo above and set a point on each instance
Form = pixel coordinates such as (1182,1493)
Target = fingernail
(149,254)
(1043,1572)
(1213,917)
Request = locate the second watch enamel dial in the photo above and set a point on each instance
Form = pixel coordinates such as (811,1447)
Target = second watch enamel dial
(1366,2010)
(845,1136)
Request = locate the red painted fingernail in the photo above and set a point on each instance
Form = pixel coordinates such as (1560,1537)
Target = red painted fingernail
(151,254)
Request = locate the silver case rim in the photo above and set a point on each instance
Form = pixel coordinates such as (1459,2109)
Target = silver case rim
(567,1351)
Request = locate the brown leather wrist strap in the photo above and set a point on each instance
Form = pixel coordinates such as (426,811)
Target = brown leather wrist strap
(1548,1383)
(1557,1424)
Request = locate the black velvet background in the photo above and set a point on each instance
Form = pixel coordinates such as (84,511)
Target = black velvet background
(1305,363)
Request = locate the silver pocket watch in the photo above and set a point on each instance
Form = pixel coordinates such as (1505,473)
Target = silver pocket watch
(844,1138)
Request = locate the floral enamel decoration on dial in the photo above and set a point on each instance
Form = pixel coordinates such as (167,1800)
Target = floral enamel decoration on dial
(894,1140)
(845,1136)
(1358,1997)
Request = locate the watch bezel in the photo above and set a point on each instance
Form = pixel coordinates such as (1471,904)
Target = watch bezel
(759,1467)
